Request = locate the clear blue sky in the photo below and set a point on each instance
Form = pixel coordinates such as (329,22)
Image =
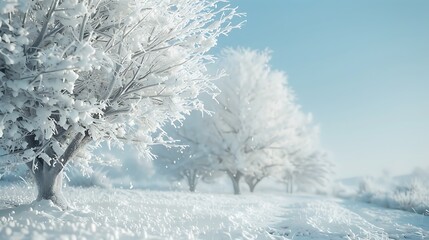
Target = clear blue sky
(362,69)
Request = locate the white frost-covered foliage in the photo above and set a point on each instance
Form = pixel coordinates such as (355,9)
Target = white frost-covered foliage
(307,166)
(73,72)
(257,121)
(254,109)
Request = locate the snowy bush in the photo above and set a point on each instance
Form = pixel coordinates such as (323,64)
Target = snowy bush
(412,196)
(368,189)
(341,191)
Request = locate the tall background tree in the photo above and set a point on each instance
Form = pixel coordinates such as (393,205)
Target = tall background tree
(75,73)
(254,116)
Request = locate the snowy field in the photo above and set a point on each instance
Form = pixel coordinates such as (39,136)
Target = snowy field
(137,214)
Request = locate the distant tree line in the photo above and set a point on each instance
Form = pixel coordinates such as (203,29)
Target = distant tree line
(253,129)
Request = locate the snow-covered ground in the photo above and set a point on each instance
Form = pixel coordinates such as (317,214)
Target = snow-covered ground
(319,218)
(137,214)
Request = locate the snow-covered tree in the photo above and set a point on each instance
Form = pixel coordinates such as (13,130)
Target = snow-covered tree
(254,117)
(313,171)
(77,73)
(306,165)
(194,158)
(256,131)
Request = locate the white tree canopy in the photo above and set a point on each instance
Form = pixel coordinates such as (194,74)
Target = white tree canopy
(257,128)
(100,70)
(255,114)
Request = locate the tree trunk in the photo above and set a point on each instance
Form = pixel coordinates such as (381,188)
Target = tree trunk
(290,185)
(252,188)
(192,188)
(235,178)
(192,177)
(252,182)
(49,185)
(289,181)
(49,177)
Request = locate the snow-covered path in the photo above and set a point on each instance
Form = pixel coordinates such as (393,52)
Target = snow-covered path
(327,218)
(137,214)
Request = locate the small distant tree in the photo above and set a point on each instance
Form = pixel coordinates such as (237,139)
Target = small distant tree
(194,158)
(74,73)
(306,165)
(313,171)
